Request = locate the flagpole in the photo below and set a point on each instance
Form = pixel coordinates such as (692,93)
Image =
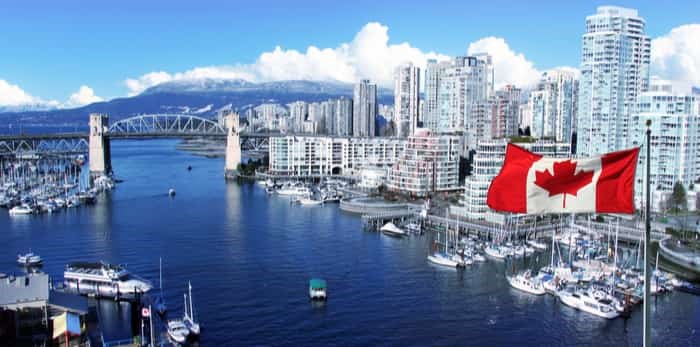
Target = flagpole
(647,246)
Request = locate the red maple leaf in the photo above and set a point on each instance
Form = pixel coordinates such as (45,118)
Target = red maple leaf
(565,179)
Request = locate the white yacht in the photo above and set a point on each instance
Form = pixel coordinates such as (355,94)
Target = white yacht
(582,300)
(29,259)
(102,279)
(21,210)
(294,191)
(393,230)
(527,283)
(177,331)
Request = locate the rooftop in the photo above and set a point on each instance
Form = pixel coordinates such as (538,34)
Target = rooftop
(23,289)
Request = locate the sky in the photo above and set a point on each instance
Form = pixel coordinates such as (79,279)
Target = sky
(67,53)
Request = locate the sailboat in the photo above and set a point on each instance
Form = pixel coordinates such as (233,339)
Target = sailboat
(188,319)
(159,301)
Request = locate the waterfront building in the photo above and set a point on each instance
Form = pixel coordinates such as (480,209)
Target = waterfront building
(429,163)
(614,72)
(487,162)
(372,177)
(465,85)
(406,95)
(326,155)
(552,106)
(364,109)
(505,114)
(343,114)
(675,141)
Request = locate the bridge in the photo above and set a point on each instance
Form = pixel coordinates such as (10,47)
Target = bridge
(97,141)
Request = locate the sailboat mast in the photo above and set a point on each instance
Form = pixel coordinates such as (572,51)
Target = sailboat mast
(160,275)
(191,310)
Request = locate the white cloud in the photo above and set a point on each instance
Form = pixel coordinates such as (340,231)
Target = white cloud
(85,95)
(13,95)
(509,67)
(676,56)
(368,55)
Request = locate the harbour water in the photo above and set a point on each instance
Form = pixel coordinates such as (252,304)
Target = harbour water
(249,257)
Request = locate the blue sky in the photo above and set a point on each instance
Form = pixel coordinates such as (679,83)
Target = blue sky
(51,48)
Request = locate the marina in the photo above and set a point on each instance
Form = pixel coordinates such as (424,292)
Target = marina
(250,254)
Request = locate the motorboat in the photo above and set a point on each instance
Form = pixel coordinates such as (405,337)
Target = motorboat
(393,230)
(22,209)
(686,287)
(178,331)
(317,289)
(103,279)
(443,259)
(527,283)
(582,300)
(294,189)
(29,259)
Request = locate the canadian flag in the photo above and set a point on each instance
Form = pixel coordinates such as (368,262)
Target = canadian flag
(529,183)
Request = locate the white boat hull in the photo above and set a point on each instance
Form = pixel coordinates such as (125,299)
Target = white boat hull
(440,260)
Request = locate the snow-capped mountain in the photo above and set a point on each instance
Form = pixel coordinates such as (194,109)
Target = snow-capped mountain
(204,97)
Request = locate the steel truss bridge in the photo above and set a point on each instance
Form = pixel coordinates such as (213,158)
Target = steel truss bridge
(137,127)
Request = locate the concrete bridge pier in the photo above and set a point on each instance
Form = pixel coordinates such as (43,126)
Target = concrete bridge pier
(99,154)
(233,145)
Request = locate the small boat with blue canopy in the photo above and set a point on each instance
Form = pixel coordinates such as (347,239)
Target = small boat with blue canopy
(317,289)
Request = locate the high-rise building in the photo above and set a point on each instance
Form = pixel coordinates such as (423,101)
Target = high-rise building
(465,85)
(329,117)
(614,72)
(406,95)
(525,117)
(433,71)
(343,116)
(297,112)
(675,140)
(364,109)
(552,106)
(316,115)
(429,163)
(505,113)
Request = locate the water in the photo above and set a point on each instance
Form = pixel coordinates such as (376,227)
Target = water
(250,256)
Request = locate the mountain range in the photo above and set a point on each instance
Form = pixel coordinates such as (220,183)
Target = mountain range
(204,97)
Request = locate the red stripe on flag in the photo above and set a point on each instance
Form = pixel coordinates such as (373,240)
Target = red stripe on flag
(615,188)
(508,190)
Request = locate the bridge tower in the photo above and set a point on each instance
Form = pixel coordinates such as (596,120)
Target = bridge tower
(233,145)
(99,156)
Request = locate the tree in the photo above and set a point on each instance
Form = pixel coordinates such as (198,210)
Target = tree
(678,197)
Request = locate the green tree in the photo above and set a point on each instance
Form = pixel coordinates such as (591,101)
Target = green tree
(678,197)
